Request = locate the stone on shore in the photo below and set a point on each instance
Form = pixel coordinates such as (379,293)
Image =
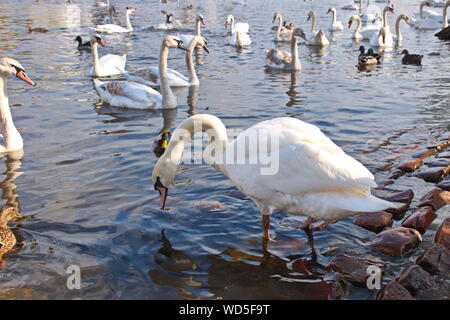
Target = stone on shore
(394,291)
(415,279)
(410,165)
(444,184)
(434,174)
(398,211)
(442,235)
(437,198)
(374,221)
(396,241)
(436,260)
(425,153)
(402,196)
(420,219)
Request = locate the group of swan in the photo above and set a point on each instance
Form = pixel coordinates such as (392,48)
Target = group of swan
(114,28)
(428,19)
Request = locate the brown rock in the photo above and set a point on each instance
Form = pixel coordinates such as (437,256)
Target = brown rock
(444,184)
(442,235)
(384,166)
(394,291)
(444,154)
(425,153)
(396,174)
(436,260)
(352,266)
(437,198)
(434,175)
(396,242)
(410,165)
(399,210)
(402,196)
(415,279)
(374,221)
(420,219)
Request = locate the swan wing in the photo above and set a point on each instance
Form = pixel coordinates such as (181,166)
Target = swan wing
(277,58)
(109,28)
(242,27)
(176,79)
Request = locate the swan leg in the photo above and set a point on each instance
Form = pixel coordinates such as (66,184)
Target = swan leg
(266,226)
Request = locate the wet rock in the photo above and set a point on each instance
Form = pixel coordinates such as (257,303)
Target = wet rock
(396,242)
(434,175)
(352,266)
(374,221)
(436,198)
(420,219)
(439,146)
(442,235)
(425,153)
(398,211)
(444,184)
(443,162)
(415,279)
(436,260)
(410,165)
(303,266)
(396,174)
(444,154)
(381,184)
(402,196)
(384,166)
(394,291)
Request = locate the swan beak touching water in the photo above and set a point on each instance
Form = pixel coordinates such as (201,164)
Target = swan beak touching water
(162,193)
(20,73)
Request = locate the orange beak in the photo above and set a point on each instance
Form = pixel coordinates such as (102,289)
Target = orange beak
(100,42)
(22,76)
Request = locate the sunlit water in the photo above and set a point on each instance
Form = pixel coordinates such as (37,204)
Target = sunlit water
(84,183)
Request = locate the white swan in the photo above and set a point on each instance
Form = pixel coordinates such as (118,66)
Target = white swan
(356,35)
(424,20)
(240,39)
(383,39)
(282,60)
(114,28)
(309,174)
(371,29)
(316,39)
(150,76)
(335,25)
(127,94)
(109,64)
(398,35)
(170,23)
(186,38)
(12,139)
(283,34)
(236,27)
(102,4)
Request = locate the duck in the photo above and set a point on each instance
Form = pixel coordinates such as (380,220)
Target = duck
(109,64)
(424,20)
(132,95)
(7,237)
(38,29)
(444,34)
(356,35)
(150,76)
(114,28)
(283,60)
(12,140)
(160,145)
(335,25)
(83,45)
(283,32)
(329,185)
(369,58)
(369,30)
(316,39)
(186,38)
(415,59)
(170,23)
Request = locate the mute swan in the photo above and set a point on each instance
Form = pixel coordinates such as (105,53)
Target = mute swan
(102,4)
(240,39)
(170,23)
(134,95)
(83,46)
(356,35)
(424,21)
(282,33)
(383,39)
(373,29)
(114,28)
(335,25)
(150,76)
(12,139)
(415,59)
(279,59)
(238,27)
(186,38)
(317,39)
(398,36)
(108,64)
(444,34)
(314,178)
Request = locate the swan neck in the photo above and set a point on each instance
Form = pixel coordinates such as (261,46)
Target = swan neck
(421,9)
(280,25)
(129,26)
(11,137)
(397,27)
(294,52)
(445,15)
(168,98)
(334,16)
(95,59)
(193,79)
(313,24)
(385,15)
(197,26)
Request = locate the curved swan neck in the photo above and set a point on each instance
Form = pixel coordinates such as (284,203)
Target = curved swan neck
(197,28)
(193,79)
(129,26)
(232,24)
(423,4)
(397,27)
(359,25)
(333,12)
(11,137)
(168,98)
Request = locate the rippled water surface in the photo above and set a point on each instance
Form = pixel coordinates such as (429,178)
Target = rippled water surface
(84,186)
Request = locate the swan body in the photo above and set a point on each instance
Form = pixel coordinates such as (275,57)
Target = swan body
(240,39)
(109,64)
(242,27)
(283,34)
(170,23)
(102,4)
(370,30)
(12,140)
(282,60)
(150,76)
(314,177)
(127,94)
(114,28)
(383,39)
(187,38)
(318,39)
(335,25)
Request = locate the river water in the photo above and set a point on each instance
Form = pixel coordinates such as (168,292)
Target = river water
(83,184)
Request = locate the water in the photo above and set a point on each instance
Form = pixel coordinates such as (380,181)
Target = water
(84,184)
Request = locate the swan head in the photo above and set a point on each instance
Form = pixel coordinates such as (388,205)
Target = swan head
(389,8)
(299,33)
(404,17)
(201,19)
(199,41)
(131,11)
(332,9)
(425,4)
(12,67)
(163,175)
(95,38)
(276,16)
(228,21)
(171,41)
(352,18)
(311,15)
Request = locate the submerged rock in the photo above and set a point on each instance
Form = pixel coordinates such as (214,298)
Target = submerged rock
(425,153)
(442,235)
(444,154)
(444,184)
(436,260)
(434,174)
(394,291)
(441,162)
(396,242)
(437,198)
(410,165)
(415,279)
(399,211)
(402,196)
(420,219)
(374,221)
(396,174)
(353,266)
